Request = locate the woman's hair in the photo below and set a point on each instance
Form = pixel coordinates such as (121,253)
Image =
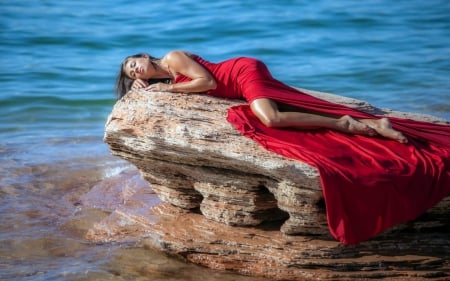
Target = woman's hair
(123,82)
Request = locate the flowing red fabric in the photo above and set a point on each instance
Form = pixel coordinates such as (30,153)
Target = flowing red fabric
(369,183)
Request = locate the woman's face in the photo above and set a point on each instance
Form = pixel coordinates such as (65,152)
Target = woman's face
(139,68)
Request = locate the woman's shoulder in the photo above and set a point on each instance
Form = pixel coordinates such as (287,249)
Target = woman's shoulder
(176,54)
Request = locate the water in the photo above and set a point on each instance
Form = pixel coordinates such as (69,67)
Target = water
(57,67)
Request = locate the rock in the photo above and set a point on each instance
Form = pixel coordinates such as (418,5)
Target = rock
(230,204)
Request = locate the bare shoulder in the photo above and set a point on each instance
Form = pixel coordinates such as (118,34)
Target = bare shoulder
(177,55)
(181,62)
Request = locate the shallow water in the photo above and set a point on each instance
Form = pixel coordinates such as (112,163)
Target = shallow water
(57,67)
(43,228)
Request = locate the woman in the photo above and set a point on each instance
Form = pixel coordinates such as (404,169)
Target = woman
(240,78)
(369,184)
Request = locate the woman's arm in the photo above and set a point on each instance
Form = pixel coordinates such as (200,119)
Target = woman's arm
(138,84)
(179,62)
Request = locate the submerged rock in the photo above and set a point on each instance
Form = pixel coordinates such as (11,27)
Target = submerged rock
(230,204)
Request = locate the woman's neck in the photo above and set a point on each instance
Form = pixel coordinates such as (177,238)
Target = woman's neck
(162,70)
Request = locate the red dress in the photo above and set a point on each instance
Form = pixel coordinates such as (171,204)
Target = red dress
(369,184)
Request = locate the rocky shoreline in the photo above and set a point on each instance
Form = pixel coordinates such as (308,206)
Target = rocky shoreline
(226,203)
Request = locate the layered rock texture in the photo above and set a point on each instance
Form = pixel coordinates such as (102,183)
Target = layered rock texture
(229,204)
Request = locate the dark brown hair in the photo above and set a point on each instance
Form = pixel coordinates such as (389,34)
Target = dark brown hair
(123,82)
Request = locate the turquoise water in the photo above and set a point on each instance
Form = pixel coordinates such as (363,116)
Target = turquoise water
(58,61)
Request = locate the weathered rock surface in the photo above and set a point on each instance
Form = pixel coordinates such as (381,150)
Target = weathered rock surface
(229,203)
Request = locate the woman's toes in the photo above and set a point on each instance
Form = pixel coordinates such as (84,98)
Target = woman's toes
(386,130)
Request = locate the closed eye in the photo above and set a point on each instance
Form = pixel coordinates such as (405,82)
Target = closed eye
(132,73)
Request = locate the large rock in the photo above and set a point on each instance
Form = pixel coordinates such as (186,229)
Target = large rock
(229,203)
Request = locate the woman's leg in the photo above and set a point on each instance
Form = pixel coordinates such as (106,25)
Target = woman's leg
(269,114)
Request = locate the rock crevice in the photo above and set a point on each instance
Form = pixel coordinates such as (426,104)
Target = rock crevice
(242,207)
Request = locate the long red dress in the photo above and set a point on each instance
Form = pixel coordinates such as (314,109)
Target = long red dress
(369,183)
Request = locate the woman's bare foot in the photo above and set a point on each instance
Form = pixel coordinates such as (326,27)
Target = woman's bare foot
(349,125)
(383,127)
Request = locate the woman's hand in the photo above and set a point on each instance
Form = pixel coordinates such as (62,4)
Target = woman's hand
(139,84)
(159,87)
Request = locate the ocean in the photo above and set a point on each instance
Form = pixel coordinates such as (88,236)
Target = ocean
(58,62)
